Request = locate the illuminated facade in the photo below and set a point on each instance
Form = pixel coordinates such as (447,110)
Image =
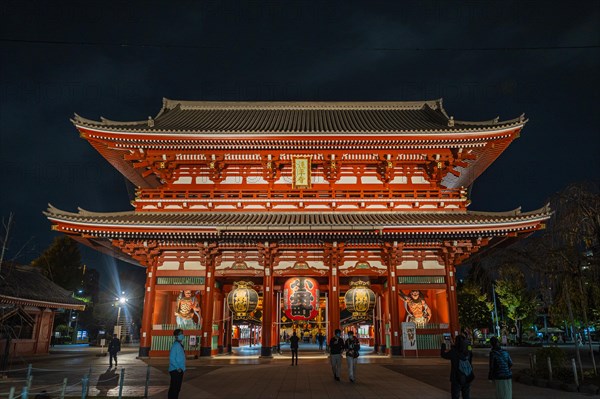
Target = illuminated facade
(265,192)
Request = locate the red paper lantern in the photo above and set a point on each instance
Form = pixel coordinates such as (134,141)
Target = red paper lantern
(301,298)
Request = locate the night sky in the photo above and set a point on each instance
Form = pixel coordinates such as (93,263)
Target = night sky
(486,59)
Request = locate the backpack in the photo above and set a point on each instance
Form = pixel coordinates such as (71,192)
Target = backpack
(465,368)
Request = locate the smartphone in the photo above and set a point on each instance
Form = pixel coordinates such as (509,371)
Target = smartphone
(447,339)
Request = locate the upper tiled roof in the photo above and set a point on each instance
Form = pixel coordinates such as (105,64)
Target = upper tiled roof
(26,284)
(263,221)
(299,117)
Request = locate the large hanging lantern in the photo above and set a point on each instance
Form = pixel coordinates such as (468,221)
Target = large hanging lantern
(301,298)
(243,300)
(360,299)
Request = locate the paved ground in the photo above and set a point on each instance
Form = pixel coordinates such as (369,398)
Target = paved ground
(246,375)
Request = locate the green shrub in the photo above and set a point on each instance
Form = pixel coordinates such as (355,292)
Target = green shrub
(564,374)
(556,355)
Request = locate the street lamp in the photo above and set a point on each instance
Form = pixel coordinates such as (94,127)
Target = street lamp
(120,302)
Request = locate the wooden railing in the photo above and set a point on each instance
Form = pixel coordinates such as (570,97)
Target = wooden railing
(423,194)
(148,199)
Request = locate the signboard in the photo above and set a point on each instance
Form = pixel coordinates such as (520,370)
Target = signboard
(409,336)
(192,340)
(301,169)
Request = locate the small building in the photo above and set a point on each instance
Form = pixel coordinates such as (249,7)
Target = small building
(28,303)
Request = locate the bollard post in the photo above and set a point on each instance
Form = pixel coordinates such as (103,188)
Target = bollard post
(89,378)
(11,393)
(575,371)
(147,381)
(121,382)
(549,368)
(24,393)
(63,389)
(84,384)
(534,361)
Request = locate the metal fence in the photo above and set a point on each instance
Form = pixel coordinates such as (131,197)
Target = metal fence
(29,382)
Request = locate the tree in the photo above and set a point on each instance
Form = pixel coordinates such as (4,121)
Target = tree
(61,263)
(568,253)
(473,306)
(518,300)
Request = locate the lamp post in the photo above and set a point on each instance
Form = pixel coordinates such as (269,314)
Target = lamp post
(495,311)
(76,318)
(120,302)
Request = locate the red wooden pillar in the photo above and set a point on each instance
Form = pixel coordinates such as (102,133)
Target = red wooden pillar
(377,325)
(395,349)
(146,334)
(207,308)
(334,301)
(274,323)
(219,302)
(452,300)
(267,314)
(228,323)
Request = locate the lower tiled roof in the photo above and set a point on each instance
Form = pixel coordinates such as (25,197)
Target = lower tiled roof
(294,220)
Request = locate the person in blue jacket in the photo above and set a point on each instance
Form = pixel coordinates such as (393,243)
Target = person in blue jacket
(500,370)
(176,364)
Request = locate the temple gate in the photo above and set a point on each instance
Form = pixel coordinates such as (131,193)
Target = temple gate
(327,193)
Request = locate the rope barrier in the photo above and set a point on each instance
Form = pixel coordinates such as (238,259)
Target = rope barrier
(70,370)
(46,386)
(60,389)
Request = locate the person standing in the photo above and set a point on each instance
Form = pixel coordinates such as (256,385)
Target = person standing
(461,358)
(114,347)
(336,346)
(320,340)
(294,347)
(176,364)
(500,370)
(352,346)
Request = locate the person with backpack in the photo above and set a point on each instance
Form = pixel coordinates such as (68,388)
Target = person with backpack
(461,367)
(336,346)
(352,346)
(500,370)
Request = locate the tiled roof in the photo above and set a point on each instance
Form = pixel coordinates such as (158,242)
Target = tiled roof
(209,117)
(26,284)
(241,221)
